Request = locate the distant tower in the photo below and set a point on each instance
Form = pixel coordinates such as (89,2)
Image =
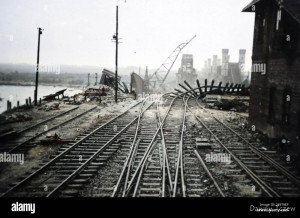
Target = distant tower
(146,81)
(242,56)
(146,74)
(205,66)
(209,65)
(214,64)
(96,82)
(225,62)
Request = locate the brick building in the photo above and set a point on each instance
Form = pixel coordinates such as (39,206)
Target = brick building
(275,81)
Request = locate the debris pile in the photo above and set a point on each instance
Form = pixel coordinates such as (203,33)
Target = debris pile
(17,117)
(48,107)
(54,139)
(230,105)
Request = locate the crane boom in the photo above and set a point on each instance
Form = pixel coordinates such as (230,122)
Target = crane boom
(167,65)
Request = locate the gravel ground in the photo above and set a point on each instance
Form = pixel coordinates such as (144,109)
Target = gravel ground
(37,115)
(12,172)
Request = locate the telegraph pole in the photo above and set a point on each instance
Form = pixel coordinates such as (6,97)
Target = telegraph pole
(37,67)
(96,79)
(117,42)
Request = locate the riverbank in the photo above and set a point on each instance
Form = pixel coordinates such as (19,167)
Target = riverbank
(15,93)
(13,83)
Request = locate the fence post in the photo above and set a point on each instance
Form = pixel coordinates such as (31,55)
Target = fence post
(8,105)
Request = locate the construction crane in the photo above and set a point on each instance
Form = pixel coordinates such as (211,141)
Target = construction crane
(161,74)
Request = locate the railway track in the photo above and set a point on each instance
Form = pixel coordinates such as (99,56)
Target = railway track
(135,170)
(160,149)
(157,174)
(156,164)
(197,178)
(26,137)
(76,162)
(246,137)
(251,165)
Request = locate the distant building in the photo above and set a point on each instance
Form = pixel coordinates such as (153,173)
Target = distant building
(187,72)
(225,71)
(275,79)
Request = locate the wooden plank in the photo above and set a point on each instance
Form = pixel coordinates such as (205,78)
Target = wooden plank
(199,87)
(212,85)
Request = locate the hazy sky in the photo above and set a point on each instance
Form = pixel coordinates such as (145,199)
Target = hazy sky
(80,31)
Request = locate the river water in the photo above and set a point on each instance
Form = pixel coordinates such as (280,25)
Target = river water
(20,93)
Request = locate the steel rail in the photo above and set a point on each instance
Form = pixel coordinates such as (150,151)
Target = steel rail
(183,187)
(64,152)
(50,129)
(142,170)
(163,187)
(276,165)
(179,165)
(209,173)
(94,156)
(129,165)
(267,189)
(128,161)
(78,154)
(149,147)
(176,172)
(46,120)
(147,155)
(132,155)
(165,157)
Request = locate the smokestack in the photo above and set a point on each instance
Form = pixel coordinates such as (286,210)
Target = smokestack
(209,65)
(225,62)
(242,56)
(146,74)
(214,64)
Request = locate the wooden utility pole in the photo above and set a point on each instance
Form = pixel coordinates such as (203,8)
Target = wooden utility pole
(37,67)
(96,82)
(117,42)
